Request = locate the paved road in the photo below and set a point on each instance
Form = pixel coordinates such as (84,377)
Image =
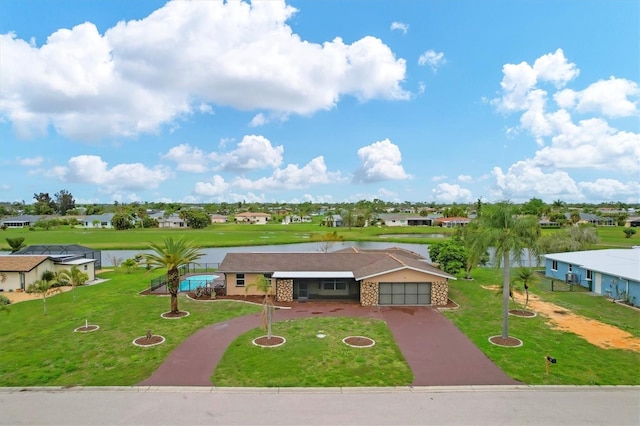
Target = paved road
(477,405)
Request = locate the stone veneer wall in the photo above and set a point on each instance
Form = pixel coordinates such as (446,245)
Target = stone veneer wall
(439,293)
(369,293)
(284,290)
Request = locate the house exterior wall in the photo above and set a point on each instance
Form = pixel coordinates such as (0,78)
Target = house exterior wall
(234,290)
(439,286)
(406,275)
(11,281)
(439,293)
(369,293)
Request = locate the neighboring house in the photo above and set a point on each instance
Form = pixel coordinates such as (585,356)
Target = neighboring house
(373,277)
(218,218)
(98,220)
(64,250)
(256,218)
(398,219)
(173,221)
(632,222)
(606,272)
(333,221)
(22,221)
(17,272)
(452,222)
(593,219)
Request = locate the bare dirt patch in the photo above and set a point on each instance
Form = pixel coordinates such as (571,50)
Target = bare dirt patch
(595,332)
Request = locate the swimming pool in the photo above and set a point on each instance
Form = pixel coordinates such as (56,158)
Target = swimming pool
(190,283)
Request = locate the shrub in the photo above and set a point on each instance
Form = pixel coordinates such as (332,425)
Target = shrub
(628,232)
(4,300)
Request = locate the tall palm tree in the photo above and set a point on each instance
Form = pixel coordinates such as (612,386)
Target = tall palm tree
(172,254)
(263,285)
(509,234)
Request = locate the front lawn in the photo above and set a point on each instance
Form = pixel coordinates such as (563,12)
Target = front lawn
(306,360)
(39,350)
(579,362)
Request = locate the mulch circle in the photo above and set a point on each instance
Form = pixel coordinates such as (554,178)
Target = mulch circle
(145,341)
(86,329)
(509,342)
(521,313)
(265,342)
(358,341)
(174,315)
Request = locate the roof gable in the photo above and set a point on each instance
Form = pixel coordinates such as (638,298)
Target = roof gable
(15,263)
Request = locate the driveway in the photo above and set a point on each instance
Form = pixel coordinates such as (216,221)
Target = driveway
(436,351)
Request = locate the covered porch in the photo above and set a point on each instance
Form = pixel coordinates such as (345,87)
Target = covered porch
(319,285)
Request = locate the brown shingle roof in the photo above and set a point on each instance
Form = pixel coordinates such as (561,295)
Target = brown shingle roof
(361,264)
(20,263)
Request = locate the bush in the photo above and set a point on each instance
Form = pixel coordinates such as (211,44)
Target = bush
(4,300)
(628,232)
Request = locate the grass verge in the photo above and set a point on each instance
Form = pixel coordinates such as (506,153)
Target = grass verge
(39,350)
(306,360)
(579,362)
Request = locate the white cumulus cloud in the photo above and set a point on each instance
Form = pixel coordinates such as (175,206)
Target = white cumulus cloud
(188,158)
(253,152)
(447,193)
(380,161)
(182,59)
(432,58)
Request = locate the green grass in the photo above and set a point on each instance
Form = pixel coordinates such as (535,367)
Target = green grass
(39,350)
(233,235)
(306,360)
(579,362)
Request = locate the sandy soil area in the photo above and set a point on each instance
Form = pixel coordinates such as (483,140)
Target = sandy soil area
(595,332)
(16,297)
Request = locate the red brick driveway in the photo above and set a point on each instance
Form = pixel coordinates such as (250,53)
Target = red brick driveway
(436,351)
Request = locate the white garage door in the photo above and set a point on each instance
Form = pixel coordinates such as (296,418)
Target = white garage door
(404,294)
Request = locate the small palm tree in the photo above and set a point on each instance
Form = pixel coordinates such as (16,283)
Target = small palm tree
(527,277)
(263,285)
(44,288)
(172,254)
(74,277)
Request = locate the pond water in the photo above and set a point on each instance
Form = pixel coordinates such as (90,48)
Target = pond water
(216,254)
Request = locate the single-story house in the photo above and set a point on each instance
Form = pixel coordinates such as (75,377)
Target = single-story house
(399,219)
(333,221)
(98,220)
(607,272)
(452,222)
(632,222)
(62,250)
(256,218)
(373,277)
(218,218)
(22,221)
(173,221)
(17,272)
(593,219)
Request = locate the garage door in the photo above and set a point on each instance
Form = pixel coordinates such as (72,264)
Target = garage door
(404,294)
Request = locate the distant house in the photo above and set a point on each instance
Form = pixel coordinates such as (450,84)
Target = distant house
(333,221)
(632,222)
(98,221)
(452,222)
(399,219)
(593,219)
(610,272)
(218,218)
(22,221)
(173,221)
(372,277)
(255,218)
(20,271)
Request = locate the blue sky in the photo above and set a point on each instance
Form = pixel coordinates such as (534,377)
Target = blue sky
(322,101)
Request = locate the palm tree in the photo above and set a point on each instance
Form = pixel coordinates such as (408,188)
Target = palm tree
(75,277)
(44,288)
(263,285)
(509,235)
(526,276)
(172,254)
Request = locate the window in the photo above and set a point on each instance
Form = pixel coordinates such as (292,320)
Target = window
(334,285)
(570,268)
(85,267)
(589,274)
(554,265)
(239,280)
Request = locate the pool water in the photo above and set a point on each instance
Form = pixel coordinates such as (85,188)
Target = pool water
(190,283)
